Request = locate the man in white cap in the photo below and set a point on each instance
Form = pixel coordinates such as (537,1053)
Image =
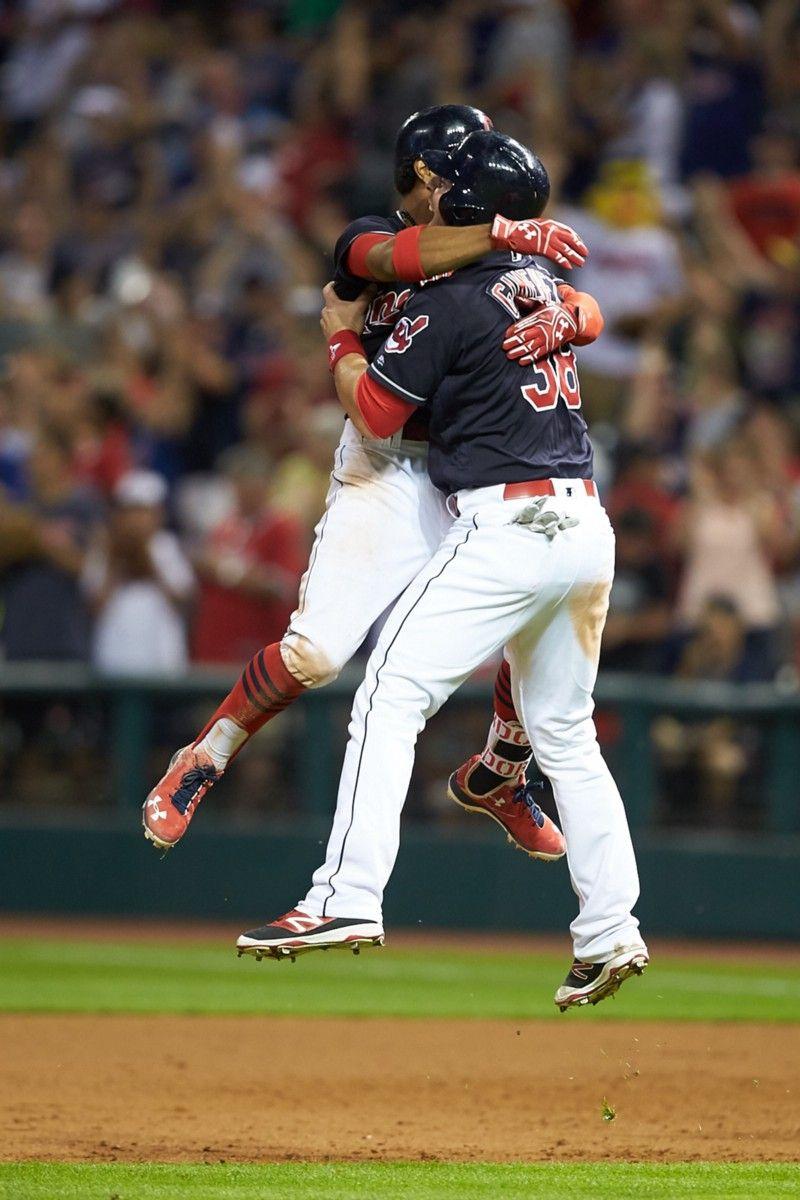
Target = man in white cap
(139,579)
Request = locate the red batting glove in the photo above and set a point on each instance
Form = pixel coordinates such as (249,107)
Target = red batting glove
(536,336)
(547,239)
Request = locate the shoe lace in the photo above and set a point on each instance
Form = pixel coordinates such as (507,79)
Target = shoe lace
(524,795)
(191,783)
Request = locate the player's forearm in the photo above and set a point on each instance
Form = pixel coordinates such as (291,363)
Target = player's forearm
(424,251)
(430,250)
(375,411)
(346,374)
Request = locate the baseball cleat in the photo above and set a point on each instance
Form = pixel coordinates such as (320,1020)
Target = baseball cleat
(513,807)
(170,806)
(589,983)
(297,932)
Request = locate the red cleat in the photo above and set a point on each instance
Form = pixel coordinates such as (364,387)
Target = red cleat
(511,805)
(170,806)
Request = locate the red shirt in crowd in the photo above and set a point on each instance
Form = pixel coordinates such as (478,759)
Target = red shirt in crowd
(769,210)
(230,625)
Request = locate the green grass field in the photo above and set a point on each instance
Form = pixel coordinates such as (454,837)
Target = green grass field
(57,976)
(397,1181)
(205,978)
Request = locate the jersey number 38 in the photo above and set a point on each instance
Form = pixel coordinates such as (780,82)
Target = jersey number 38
(553,378)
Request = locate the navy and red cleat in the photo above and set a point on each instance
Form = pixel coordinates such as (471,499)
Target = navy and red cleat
(297,932)
(170,806)
(512,806)
(589,983)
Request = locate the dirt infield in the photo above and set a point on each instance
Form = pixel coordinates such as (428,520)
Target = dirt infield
(105,1088)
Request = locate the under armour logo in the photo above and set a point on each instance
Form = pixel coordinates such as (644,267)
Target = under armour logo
(569,491)
(498,803)
(155,812)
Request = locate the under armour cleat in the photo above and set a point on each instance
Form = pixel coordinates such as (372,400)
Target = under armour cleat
(297,932)
(170,806)
(589,983)
(513,806)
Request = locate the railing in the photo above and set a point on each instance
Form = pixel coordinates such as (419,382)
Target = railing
(636,699)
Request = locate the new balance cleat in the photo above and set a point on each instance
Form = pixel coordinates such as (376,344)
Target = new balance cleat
(297,933)
(513,806)
(589,983)
(170,806)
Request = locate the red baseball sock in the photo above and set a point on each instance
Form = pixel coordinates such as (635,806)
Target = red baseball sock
(503,699)
(507,751)
(264,689)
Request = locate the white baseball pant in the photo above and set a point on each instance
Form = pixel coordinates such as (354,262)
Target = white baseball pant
(383,521)
(493,582)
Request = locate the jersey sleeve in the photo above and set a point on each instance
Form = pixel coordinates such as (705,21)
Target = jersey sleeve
(347,285)
(421,349)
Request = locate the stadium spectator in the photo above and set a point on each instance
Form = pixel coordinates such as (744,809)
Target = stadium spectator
(140,583)
(44,612)
(731,532)
(249,567)
(706,762)
(639,612)
(173,178)
(25,266)
(635,273)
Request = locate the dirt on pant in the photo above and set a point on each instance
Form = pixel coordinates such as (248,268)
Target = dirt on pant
(154,1088)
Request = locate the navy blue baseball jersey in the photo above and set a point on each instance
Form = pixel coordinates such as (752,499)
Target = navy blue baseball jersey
(491,420)
(390,297)
(386,307)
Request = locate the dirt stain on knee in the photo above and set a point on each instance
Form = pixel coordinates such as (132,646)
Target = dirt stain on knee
(588,607)
(304,659)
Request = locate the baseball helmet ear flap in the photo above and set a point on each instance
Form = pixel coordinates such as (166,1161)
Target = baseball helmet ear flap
(439,162)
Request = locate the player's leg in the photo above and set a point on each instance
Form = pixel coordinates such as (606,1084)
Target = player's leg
(507,752)
(487,782)
(554,672)
(382,522)
(457,612)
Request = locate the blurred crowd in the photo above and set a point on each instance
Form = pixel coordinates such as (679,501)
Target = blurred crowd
(172,179)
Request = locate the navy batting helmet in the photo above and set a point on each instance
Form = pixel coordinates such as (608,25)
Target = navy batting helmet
(490,174)
(439,128)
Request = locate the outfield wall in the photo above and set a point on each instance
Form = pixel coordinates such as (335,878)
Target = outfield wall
(460,874)
(698,886)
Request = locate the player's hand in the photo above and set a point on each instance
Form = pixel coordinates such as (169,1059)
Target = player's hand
(545,330)
(547,239)
(343,314)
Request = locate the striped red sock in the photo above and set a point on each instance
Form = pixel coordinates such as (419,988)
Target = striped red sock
(507,751)
(264,689)
(503,700)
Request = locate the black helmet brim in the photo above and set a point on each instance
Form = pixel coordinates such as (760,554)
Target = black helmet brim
(440,162)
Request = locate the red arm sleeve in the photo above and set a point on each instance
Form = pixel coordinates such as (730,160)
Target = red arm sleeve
(586,311)
(356,260)
(382,411)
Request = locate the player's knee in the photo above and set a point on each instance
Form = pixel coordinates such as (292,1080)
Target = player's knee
(311,664)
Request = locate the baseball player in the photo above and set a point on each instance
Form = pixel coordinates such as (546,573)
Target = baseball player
(383,518)
(528,563)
